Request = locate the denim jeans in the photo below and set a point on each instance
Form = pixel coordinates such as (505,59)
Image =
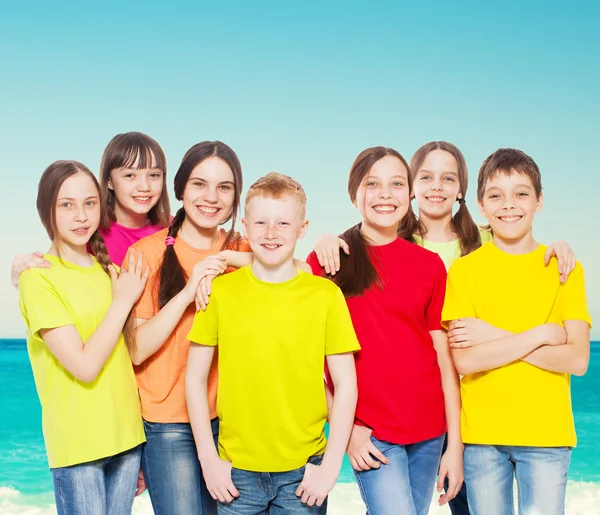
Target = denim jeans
(406,484)
(270,493)
(172,470)
(102,487)
(541,474)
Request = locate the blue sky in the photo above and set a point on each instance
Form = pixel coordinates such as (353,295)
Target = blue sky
(301,88)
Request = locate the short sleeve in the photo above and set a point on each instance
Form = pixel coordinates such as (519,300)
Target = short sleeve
(457,303)
(41,305)
(242,245)
(340,335)
(433,313)
(573,297)
(313,262)
(205,328)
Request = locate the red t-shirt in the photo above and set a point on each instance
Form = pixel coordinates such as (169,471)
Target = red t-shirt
(400,392)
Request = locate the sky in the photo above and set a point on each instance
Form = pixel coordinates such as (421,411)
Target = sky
(302,88)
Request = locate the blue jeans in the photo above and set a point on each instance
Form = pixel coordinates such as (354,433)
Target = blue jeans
(172,470)
(102,487)
(405,485)
(270,493)
(541,474)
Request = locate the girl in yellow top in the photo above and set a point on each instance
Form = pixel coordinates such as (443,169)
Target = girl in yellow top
(76,313)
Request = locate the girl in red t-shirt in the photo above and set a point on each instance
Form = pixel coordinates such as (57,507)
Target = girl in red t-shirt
(408,389)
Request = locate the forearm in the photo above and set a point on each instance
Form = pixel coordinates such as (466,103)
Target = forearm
(328,399)
(237,259)
(452,402)
(196,394)
(341,420)
(498,352)
(99,346)
(153,333)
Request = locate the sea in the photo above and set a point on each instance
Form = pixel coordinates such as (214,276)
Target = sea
(26,482)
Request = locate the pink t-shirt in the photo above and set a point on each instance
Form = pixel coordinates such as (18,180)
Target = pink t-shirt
(118,239)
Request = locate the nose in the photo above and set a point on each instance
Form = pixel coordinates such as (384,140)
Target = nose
(80,214)
(508,202)
(436,185)
(210,195)
(385,192)
(143,184)
(270,232)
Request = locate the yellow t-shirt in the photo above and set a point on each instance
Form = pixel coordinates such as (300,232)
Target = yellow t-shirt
(273,339)
(81,421)
(516,404)
(449,250)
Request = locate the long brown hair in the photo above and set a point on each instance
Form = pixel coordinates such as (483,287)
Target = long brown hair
(125,151)
(357,271)
(462,222)
(172,276)
(52,179)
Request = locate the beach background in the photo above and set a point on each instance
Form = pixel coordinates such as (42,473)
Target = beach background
(301,88)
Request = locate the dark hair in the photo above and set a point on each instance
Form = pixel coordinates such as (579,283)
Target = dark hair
(462,222)
(48,188)
(357,271)
(172,275)
(125,151)
(508,161)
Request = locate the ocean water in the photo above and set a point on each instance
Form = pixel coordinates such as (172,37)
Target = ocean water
(26,483)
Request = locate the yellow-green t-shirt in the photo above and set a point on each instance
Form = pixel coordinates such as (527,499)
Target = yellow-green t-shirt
(81,421)
(518,403)
(449,250)
(272,340)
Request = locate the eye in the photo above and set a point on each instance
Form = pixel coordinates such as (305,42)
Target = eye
(371,184)
(523,194)
(494,195)
(397,184)
(129,175)
(260,222)
(199,184)
(449,179)
(65,204)
(425,177)
(156,175)
(225,187)
(90,203)
(285,224)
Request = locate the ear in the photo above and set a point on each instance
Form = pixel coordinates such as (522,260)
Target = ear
(303,229)
(459,196)
(109,184)
(540,203)
(245,227)
(481,210)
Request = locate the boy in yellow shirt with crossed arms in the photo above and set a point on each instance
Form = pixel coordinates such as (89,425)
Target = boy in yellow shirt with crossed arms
(516,335)
(275,327)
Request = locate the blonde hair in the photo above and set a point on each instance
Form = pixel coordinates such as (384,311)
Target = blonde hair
(276,185)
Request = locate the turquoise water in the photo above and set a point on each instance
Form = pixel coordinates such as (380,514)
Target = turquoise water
(23,465)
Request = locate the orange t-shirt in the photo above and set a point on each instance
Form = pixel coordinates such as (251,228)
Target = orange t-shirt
(161,378)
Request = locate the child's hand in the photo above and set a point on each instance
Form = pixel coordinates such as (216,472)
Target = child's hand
(554,334)
(466,332)
(24,262)
(203,292)
(362,452)
(327,249)
(217,476)
(212,265)
(128,285)
(565,256)
(141,483)
(451,467)
(317,483)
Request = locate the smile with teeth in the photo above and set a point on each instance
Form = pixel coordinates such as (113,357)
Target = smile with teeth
(436,200)
(510,219)
(142,200)
(384,208)
(207,210)
(81,230)
(270,246)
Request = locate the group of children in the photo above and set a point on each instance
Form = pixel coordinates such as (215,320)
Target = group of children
(211,393)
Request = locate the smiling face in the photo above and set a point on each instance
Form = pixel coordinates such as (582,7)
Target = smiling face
(436,184)
(509,203)
(77,213)
(136,191)
(208,196)
(273,226)
(383,196)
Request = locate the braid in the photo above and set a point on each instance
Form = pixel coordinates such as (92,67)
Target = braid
(172,276)
(100,251)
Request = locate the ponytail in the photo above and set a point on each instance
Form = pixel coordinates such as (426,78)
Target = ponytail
(466,229)
(357,272)
(172,277)
(99,249)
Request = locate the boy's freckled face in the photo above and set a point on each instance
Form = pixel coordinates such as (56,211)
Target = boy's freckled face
(273,226)
(509,203)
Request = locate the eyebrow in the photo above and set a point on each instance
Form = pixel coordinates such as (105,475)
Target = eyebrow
(377,177)
(204,180)
(71,198)
(445,171)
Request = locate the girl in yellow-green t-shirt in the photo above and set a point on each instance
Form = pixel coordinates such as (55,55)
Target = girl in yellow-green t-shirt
(77,313)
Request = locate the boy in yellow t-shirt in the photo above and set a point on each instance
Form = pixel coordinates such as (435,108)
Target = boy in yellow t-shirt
(275,327)
(517,335)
